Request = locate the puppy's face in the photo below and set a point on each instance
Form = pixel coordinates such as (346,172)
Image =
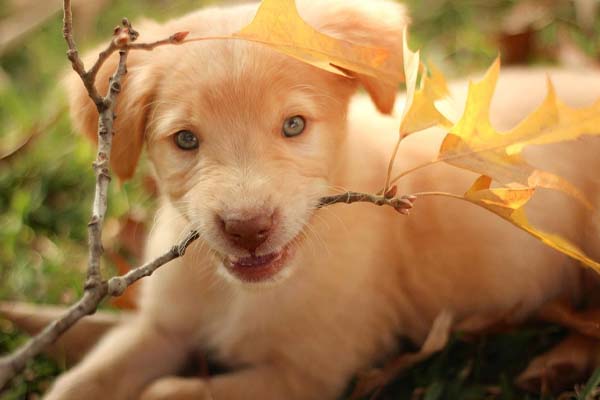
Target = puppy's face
(244,153)
(243,139)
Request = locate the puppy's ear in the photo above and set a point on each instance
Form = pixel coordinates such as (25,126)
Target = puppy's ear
(131,108)
(375,23)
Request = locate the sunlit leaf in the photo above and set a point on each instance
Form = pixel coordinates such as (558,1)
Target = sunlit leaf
(277,24)
(475,145)
(508,203)
(421,110)
(411,62)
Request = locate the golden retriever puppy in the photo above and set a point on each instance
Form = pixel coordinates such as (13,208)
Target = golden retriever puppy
(295,299)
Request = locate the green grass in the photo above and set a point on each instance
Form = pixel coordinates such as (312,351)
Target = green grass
(46,188)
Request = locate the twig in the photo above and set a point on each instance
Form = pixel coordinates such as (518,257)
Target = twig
(118,284)
(401,204)
(390,168)
(96,289)
(176,38)
(101,168)
(123,38)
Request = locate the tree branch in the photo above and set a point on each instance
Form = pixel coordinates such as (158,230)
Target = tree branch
(176,38)
(118,284)
(96,289)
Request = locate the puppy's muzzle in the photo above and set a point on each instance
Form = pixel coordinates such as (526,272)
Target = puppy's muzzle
(249,233)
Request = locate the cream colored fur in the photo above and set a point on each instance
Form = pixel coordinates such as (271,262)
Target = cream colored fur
(361,275)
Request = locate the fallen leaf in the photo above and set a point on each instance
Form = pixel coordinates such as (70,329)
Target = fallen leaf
(436,340)
(278,25)
(475,145)
(557,369)
(586,322)
(509,203)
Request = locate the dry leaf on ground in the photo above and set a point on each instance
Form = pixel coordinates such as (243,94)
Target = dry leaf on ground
(436,340)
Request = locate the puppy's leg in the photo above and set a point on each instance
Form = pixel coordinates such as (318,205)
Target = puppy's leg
(266,382)
(122,364)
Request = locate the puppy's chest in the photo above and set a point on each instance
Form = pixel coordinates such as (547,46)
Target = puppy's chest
(251,326)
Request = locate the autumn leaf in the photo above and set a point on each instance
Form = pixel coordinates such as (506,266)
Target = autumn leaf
(420,111)
(278,25)
(561,312)
(509,203)
(411,62)
(475,145)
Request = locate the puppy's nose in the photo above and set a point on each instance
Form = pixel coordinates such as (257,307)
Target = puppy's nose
(248,233)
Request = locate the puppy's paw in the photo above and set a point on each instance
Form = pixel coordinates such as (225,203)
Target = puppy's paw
(175,388)
(74,387)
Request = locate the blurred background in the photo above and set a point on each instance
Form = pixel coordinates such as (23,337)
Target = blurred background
(46,180)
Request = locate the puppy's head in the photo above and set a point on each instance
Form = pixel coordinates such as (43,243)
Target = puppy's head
(242,139)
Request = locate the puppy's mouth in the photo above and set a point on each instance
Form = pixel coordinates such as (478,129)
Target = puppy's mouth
(259,268)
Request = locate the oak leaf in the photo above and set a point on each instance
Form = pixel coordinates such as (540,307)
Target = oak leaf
(475,145)
(509,203)
(278,25)
(420,111)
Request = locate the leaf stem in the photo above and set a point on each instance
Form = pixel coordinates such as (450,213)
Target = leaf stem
(386,186)
(440,194)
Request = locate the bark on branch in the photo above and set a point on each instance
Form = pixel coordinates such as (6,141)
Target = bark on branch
(402,204)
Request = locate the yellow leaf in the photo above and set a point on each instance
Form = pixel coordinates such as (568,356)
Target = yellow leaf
(411,63)
(509,203)
(420,111)
(502,201)
(278,25)
(475,145)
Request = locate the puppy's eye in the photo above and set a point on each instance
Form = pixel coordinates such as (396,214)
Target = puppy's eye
(293,126)
(186,140)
